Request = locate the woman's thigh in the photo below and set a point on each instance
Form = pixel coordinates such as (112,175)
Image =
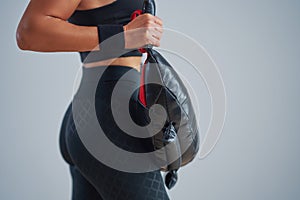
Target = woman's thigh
(109,182)
(82,189)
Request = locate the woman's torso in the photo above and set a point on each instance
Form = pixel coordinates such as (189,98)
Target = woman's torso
(107,11)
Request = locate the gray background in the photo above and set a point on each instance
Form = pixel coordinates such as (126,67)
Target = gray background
(256,46)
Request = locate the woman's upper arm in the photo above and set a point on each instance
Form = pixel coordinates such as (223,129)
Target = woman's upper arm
(36,16)
(38,11)
(61,9)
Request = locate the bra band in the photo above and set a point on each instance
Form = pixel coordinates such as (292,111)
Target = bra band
(94,56)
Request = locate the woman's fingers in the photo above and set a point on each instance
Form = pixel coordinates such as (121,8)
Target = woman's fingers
(153,37)
(156,31)
(158,21)
(147,29)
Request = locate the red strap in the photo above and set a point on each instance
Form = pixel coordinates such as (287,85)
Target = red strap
(142,91)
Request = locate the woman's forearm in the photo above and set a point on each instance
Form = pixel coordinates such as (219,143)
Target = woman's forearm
(52,34)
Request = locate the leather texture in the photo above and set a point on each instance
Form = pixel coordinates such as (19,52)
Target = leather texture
(167,89)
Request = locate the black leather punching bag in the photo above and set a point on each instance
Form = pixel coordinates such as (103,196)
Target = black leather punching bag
(160,84)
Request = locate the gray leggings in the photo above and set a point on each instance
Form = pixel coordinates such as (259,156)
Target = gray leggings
(91,179)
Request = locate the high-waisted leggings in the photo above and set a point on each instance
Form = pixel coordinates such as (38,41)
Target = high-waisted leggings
(92,179)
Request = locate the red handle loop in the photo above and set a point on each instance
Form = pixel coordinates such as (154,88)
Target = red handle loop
(135,14)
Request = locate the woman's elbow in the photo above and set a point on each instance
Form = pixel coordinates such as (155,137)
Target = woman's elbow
(25,34)
(22,37)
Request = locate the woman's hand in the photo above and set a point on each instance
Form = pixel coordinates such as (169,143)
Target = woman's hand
(144,29)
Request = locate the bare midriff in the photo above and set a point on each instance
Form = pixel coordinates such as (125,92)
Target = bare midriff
(131,61)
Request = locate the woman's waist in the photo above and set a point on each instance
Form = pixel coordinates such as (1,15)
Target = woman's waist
(104,79)
(132,61)
(110,73)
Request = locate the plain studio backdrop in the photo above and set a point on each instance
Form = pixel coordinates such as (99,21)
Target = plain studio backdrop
(256,46)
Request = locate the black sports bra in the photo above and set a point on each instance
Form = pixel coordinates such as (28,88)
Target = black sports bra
(117,12)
